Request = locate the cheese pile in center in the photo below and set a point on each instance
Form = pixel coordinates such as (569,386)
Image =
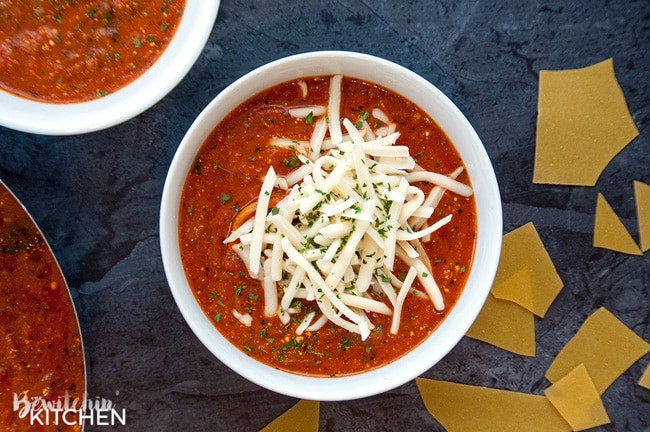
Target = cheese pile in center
(351,209)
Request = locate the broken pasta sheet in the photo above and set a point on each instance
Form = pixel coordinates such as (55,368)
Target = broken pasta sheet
(461,407)
(605,346)
(576,398)
(526,274)
(350,210)
(303,417)
(583,121)
(609,231)
(642,200)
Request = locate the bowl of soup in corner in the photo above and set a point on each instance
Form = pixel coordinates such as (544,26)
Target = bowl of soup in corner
(330,226)
(75,67)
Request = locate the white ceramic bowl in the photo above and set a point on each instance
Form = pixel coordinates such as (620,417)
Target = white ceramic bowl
(76,118)
(488,245)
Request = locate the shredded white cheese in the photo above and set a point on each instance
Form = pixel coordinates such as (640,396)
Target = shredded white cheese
(410,277)
(245,319)
(380,115)
(349,212)
(306,321)
(308,110)
(259,221)
(334,109)
(303,88)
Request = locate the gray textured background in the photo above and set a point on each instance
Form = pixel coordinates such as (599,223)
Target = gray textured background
(97,197)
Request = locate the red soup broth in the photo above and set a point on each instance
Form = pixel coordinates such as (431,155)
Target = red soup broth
(41,351)
(63,51)
(227,175)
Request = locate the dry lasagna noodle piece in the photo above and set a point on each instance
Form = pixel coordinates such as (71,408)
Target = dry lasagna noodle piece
(609,231)
(576,398)
(605,346)
(526,275)
(582,122)
(460,407)
(644,381)
(642,200)
(506,325)
(302,417)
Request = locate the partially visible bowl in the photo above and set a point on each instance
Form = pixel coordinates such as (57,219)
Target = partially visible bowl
(77,118)
(488,244)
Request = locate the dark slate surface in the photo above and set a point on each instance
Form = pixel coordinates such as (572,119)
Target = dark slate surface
(97,196)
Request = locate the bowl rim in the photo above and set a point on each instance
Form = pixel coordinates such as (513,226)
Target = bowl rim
(26,115)
(377,380)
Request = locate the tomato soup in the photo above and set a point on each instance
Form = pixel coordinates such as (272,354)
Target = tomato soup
(41,351)
(63,51)
(226,177)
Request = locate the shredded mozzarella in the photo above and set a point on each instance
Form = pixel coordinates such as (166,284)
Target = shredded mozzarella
(244,228)
(351,208)
(334,109)
(303,88)
(410,277)
(318,324)
(416,235)
(317,137)
(305,322)
(380,115)
(259,221)
(441,180)
(245,319)
(305,111)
